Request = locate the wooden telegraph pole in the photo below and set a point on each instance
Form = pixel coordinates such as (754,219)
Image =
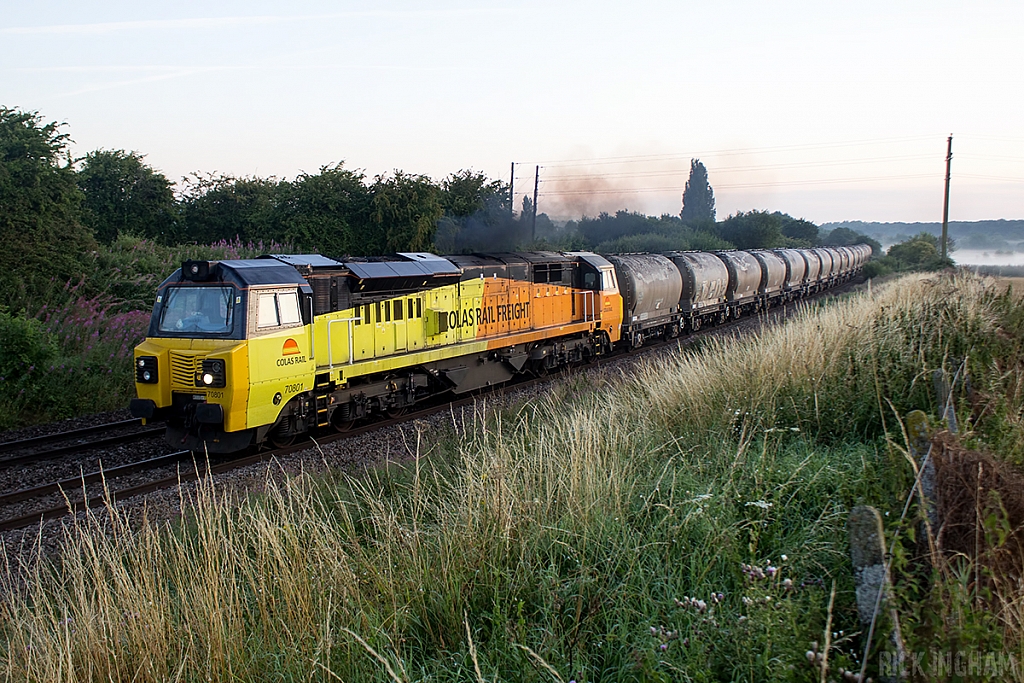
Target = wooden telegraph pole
(536,184)
(512,193)
(945,204)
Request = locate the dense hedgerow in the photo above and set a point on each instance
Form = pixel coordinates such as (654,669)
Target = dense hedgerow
(73,355)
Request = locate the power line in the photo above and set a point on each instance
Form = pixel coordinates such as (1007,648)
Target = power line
(831,181)
(1005,179)
(735,169)
(990,156)
(729,152)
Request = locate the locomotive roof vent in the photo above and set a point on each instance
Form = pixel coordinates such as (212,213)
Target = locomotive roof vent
(197,271)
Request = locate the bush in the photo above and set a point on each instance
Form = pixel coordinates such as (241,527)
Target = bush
(72,359)
(26,349)
(876,268)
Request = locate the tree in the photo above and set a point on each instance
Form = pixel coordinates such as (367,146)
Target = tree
(404,212)
(221,207)
(468,192)
(920,252)
(328,213)
(698,197)
(799,229)
(752,230)
(477,216)
(42,241)
(844,237)
(125,195)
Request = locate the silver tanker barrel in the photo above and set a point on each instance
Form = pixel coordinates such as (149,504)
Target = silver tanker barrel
(650,286)
(796,268)
(773,273)
(705,280)
(827,264)
(744,276)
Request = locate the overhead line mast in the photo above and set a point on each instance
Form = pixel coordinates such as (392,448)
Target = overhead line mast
(945,204)
(536,184)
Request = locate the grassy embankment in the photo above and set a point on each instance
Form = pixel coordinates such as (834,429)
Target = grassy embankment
(686,522)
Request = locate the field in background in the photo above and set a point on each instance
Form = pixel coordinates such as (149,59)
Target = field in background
(1015,283)
(686,521)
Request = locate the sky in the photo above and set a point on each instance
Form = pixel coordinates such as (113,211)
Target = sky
(825,111)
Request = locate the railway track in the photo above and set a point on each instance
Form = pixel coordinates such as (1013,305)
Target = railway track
(74,496)
(63,443)
(81,500)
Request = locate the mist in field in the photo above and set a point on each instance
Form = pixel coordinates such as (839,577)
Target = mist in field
(983,257)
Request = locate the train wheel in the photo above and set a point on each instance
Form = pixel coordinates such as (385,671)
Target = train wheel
(342,426)
(281,441)
(395,413)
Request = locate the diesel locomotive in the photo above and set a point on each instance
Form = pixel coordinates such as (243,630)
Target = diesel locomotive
(245,352)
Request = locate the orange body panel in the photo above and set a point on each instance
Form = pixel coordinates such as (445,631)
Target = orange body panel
(510,307)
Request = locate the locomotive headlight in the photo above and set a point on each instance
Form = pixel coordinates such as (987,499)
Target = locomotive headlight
(146,370)
(213,374)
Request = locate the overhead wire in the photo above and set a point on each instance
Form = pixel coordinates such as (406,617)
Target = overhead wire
(781,183)
(643,158)
(737,169)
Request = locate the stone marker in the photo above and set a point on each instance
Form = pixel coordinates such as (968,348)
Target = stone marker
(867,550)
(944,400)
(919,434)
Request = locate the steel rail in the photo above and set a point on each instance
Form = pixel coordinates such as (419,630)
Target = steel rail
(21,444)
(79,446)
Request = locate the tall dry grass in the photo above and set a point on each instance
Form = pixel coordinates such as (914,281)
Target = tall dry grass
(563,538)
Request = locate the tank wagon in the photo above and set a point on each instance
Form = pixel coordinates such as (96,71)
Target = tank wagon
(244,352)
(827,267)
(796,272)
(705,284)
(744,281)
(773,276)
(650,285)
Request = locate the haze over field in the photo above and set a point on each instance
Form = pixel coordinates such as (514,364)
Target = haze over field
(825,112)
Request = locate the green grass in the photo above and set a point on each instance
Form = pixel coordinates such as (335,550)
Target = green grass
(567,539)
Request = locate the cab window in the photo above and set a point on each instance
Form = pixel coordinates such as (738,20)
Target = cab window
(274,309)
(289,305)
(197,311)
(608,280)
(267,314)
